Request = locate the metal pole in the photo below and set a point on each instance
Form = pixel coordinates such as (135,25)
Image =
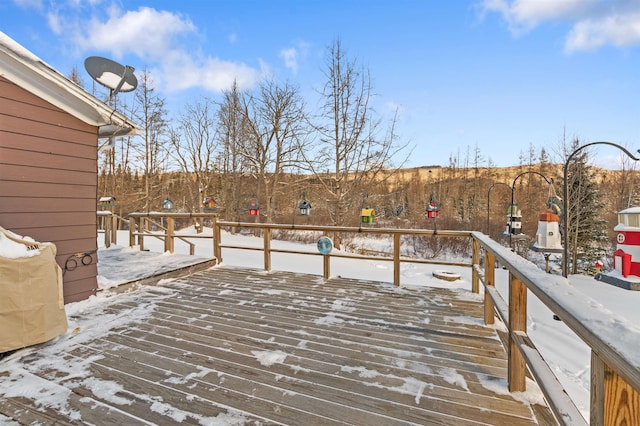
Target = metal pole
(513,189)
(565,199)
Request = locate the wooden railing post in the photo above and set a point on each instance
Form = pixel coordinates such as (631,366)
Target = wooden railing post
(217,250)
(489,281)
(613,401)
(326,263)
(168,240)
(142,227)
(475,259)
(114,229)
(106,222)
(517,322)
(396,260)
(267,249)
(133,224)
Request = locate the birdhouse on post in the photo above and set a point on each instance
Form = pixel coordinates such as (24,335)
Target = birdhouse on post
(514,219)
(254,209)
(367,216)
(626,258)
(167,204)
(209,204)
(304,209)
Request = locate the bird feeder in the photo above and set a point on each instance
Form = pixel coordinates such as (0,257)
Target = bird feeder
(107,203)
(548,239)
(367,216)
(167,204)
(254,209)
(514,219)
(304,209)
(433,210)
(209,204)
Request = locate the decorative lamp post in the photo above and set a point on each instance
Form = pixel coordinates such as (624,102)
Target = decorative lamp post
(565,200)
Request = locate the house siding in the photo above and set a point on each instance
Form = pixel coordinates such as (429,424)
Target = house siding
(48,181)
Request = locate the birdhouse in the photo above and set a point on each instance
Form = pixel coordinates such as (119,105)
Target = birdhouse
(107,202)
(209,204)
(514,219)
(433,210)
(548,239)
(167,204)
(304,209)
(626,259)
(367,216)
(254,209)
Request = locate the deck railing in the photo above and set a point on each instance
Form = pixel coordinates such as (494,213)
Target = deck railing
(615,370)
(141,223)
(108,224)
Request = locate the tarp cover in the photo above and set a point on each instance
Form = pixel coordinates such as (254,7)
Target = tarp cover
(31,294)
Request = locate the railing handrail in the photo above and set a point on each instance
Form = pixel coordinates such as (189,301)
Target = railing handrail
(575,309)
(111,226)
(353,229)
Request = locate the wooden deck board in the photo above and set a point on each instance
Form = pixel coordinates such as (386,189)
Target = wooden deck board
(285,348)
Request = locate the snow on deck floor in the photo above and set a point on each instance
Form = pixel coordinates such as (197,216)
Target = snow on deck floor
(239,346)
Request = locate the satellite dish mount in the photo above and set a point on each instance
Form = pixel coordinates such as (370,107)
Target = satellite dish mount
(112,75)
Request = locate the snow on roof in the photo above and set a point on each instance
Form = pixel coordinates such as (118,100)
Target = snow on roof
(630,210)
(23,68)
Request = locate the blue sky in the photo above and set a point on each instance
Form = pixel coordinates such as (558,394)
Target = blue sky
(502,76)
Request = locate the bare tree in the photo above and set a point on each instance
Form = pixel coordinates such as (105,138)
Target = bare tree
(232,134)
(275,123)
(151,116)
(353,146)
(194,147)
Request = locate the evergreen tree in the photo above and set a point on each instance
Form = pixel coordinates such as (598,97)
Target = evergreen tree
(587,229)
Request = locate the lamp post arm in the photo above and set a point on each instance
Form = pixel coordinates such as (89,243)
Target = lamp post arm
(489,200)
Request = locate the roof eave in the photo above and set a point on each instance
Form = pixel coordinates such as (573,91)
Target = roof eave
(46,83)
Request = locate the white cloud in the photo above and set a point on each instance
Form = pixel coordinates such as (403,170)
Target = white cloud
(594,23)
(166,42)
(29,4)
(295,55)
(290,57)
(146,32)
(616,30)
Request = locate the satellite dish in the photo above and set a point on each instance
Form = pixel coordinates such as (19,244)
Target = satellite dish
(117,78)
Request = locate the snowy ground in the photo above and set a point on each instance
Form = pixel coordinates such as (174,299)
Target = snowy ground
(567,355)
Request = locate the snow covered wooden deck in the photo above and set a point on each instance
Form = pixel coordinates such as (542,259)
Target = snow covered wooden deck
(238,346)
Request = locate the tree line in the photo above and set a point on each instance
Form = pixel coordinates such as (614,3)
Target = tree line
(266,146)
